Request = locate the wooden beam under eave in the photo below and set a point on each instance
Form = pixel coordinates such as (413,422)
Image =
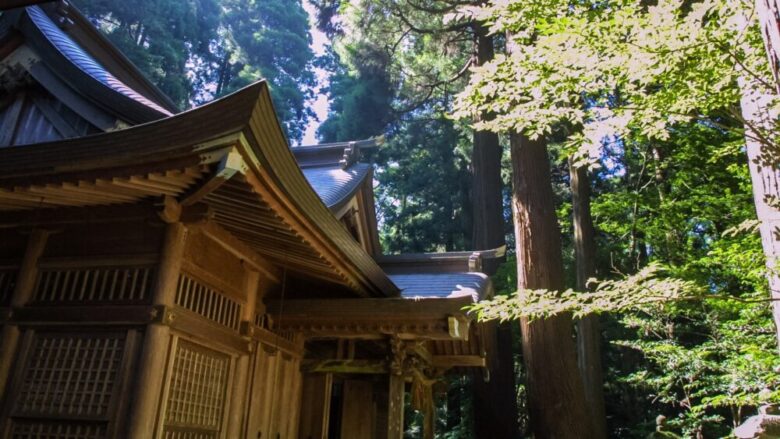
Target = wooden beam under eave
(274,199)
(238,248)
(231,164)
(78,215)
(375,367)
(374,308)
(450,361)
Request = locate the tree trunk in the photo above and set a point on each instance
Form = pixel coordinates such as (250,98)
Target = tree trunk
(557,404)
(588,328)
(487,199)
(763,153)
(765,176)
(768,13)
(495,401)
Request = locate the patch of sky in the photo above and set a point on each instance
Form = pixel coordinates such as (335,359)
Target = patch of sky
(320,103)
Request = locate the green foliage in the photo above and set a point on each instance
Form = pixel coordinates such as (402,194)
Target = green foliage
(423,186)
(200,49)
(394,69)
(360,105)
(622,69)
(160,37)
(269,39)
(682,221)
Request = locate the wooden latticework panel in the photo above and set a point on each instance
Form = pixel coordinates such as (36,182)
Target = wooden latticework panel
(67,385)
(197,394)
(7,284)
(70,375)
(129,284)
(57,430)
(206,301)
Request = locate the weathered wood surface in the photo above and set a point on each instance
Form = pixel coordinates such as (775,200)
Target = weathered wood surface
(149,379)
(358,412)
(395,407)
(25,284)
(315,406)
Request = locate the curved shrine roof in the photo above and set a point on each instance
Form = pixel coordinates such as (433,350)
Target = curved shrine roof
(335,185)
(81,59)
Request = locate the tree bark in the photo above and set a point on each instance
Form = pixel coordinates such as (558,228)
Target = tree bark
(487,199)
(495,401)
(588,327)
(760,122)
(765,176)
(768,13)
(557,404)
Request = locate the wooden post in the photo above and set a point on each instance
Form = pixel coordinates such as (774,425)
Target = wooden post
(315,405)
(149,381)
(395,407)
(429,424)
(239,403)
(25,284)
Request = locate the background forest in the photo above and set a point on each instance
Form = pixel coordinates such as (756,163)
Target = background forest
(670,197)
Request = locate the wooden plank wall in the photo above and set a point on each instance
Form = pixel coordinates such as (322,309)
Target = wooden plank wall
(275,394)
(315,406)
(358,412)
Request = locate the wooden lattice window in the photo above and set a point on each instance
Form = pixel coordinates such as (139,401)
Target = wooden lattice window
(27,429)
(7,284)
(208,302)
(197,393)
(93,285)
(67,385)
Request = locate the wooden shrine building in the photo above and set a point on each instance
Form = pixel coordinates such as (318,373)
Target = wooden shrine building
(188,274)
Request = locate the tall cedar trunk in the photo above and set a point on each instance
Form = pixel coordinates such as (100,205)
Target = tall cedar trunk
(556,397)
(763,162)
(768,13)
(765,177)
(763,154)
(495,401)
(588,328)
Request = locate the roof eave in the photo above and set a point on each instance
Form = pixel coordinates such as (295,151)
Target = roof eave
(246,121)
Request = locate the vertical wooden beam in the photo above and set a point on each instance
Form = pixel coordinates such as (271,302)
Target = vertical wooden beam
(239,403)
(315,405)
(149,380)
(25,286)
(395,407)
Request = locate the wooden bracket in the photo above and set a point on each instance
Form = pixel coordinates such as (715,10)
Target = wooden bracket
(231,164)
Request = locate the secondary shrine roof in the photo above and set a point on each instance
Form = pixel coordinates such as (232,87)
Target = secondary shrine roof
(442,285)
(335,185)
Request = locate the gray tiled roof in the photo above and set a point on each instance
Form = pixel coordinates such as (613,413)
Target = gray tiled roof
(81,59)
(442,285)
(335,185)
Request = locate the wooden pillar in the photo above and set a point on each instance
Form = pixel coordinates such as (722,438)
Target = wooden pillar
(395,407)
(25,284)
(429,423)
(315,406)
(151,367)
(239,404)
